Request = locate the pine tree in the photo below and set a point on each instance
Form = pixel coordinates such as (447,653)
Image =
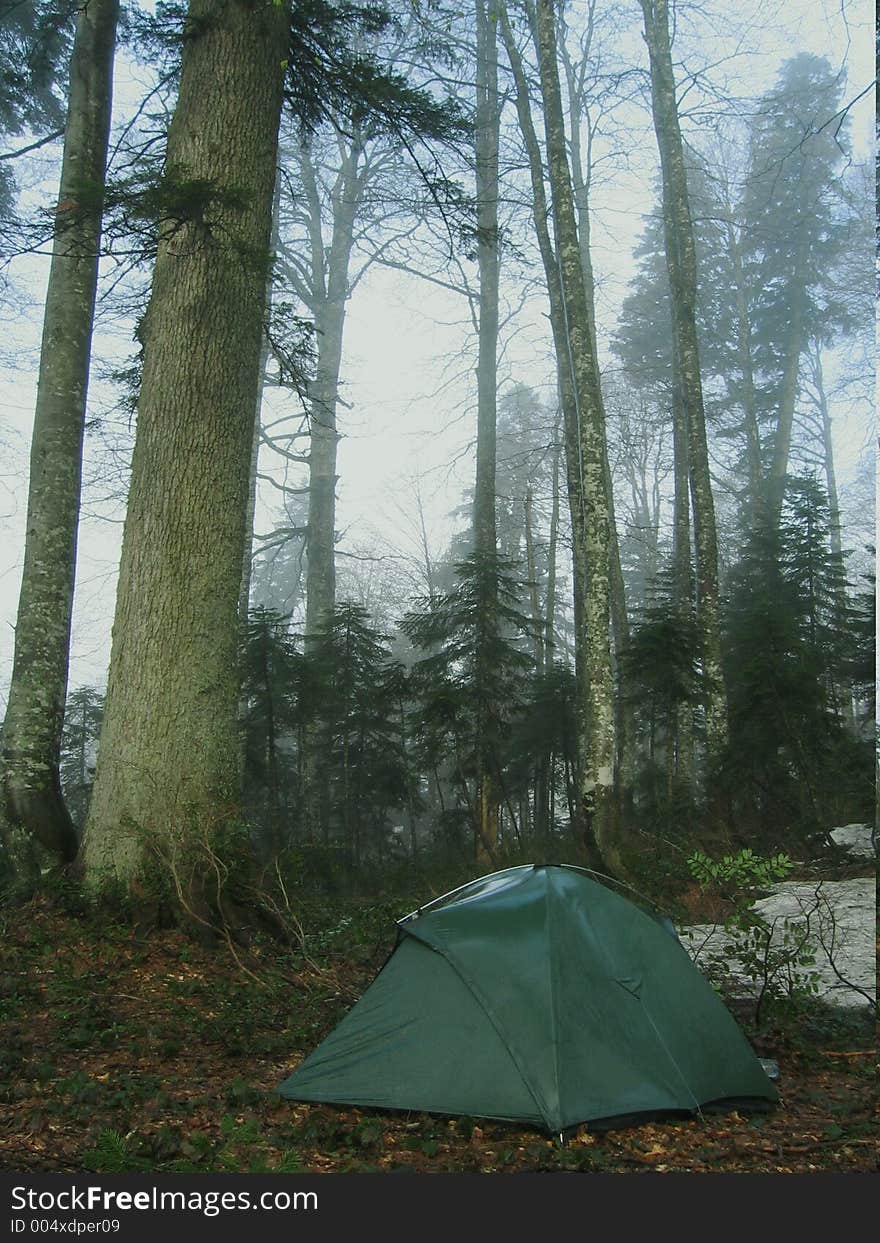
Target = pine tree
(466,706)
(663,668)
(362,767)
(792,235)
(35,39)
(272,691)
(791,763)
(79,744)
(542,753)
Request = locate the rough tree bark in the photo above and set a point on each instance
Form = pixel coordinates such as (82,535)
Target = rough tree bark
(681,264)
(168,777)
(35,710)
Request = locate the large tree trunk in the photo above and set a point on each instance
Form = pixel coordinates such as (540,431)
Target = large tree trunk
(35,710)
(168,777)
(597,682)
(485,537)
(681,263)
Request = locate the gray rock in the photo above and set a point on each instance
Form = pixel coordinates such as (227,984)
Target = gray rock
(858,839)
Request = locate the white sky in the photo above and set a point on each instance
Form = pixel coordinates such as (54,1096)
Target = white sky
(400,334)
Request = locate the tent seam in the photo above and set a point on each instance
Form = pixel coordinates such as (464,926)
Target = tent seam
(554,1018)
(475,992)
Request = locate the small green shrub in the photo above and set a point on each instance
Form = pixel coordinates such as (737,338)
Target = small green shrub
(738,875)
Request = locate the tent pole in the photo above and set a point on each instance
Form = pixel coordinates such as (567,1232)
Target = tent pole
(443,896)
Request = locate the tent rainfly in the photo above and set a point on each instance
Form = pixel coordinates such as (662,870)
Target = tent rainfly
(535,995)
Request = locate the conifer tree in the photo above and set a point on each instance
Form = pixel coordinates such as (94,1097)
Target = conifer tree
(451,686)
(792,236)
(791,760)
(663,665)
(79,745)
(272,691)
(363,766)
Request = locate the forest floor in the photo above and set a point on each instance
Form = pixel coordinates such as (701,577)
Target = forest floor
(122,1055)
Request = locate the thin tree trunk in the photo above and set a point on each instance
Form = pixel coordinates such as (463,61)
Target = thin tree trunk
(794,345)
(168,777)
(682,565)
(748,398)
(564,377)
(550,608)
(37,692)
(330,279)
(538,630)
(827,453)
(682,267)
(844,693)
(485,537)
(328,296)
(531,571)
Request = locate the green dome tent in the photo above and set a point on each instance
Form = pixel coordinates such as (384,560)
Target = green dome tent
(535,995)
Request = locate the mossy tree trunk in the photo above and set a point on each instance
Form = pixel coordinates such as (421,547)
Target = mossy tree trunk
(168,777)
(596,777)
(581,168)
(37,692)
(571,425)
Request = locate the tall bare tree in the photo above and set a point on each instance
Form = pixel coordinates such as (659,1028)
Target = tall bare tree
(682,267)
(485,535)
